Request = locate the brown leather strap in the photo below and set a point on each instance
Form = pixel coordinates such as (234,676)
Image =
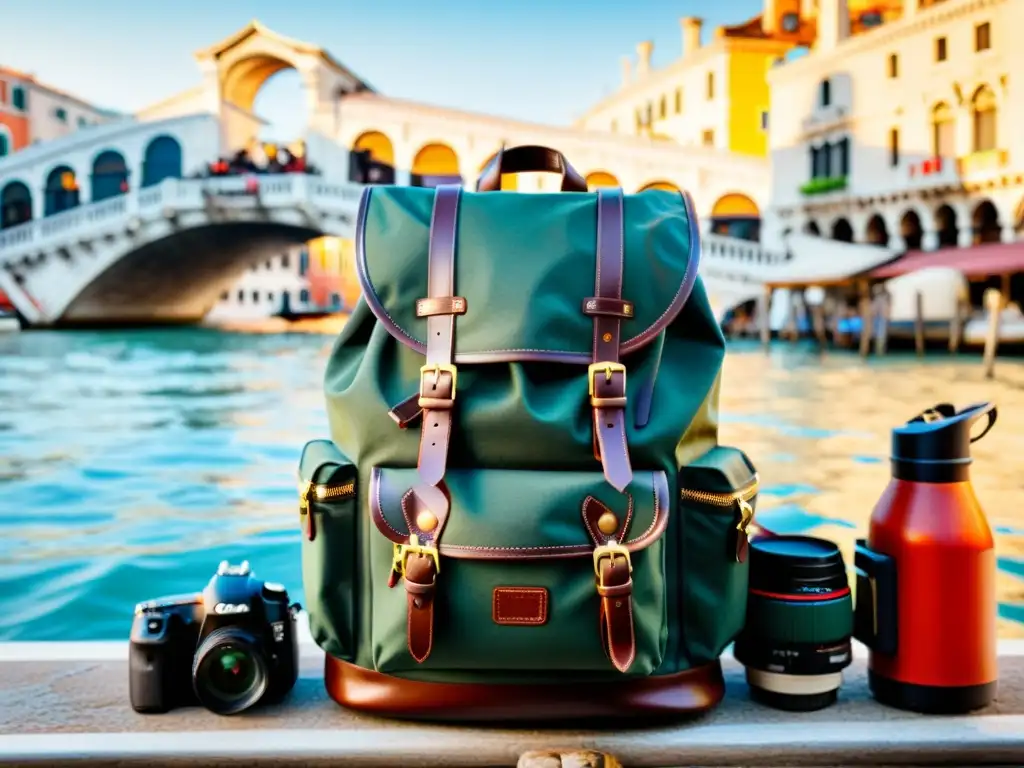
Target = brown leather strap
(438,376)
(607,376)
(614,578)
(426,506)
(529,159)
(606,306)
(426,512)
(444,305)
(407,411)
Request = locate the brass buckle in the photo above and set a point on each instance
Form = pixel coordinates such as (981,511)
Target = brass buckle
(607,369)
(610,551)
(436,369)
(402,552)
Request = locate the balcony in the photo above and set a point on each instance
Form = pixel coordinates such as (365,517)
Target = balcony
(824,185)
(982,166)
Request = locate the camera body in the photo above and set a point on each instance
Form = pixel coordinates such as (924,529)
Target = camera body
(228,648)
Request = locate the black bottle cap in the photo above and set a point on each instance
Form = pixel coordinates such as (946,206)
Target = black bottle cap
(938,442)
(796,565)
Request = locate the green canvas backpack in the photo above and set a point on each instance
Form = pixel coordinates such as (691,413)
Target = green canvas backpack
(523,511)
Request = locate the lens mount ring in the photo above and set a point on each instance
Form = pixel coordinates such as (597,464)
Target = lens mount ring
(217,646)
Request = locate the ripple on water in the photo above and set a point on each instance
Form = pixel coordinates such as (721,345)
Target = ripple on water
(132,462)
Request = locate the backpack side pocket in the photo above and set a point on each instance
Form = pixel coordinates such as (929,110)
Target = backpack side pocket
(718,495)
(328,510)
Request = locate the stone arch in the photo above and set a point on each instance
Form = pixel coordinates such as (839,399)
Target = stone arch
(735,204)
(109,175)
(736,215)
(598,179)
(15,204)
(668,186)
(435,163)
(842,230)
(812,228)
(372,159)
(983,112)
(946,227)
(985,222)
(60,190)
(161,160)
(876,232)
(943,130)
(911,230)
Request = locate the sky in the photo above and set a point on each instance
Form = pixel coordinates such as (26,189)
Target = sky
(537,60)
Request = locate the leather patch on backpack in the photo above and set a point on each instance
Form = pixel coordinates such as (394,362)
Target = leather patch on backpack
(520,606)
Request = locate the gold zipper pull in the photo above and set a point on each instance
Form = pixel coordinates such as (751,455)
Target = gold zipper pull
(306,510)
(742,537)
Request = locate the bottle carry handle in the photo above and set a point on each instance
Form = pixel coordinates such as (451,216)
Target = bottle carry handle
(970,413)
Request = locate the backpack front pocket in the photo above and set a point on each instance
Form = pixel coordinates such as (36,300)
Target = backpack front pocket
(328,513)
(718,495)
(532,571)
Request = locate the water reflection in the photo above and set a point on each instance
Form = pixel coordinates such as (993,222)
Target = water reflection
(132,462)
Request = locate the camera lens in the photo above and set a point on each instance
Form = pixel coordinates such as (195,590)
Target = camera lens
(796,640)
(229,674)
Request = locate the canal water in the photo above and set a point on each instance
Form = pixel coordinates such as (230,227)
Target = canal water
(131,463)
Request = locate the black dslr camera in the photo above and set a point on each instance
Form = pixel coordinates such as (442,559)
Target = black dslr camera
(228,648)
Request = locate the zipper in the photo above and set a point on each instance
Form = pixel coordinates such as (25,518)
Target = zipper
(739,499)
(309,492)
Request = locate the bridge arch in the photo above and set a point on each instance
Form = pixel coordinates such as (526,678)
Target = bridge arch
(876,233)
(668,186)
(985,222)
(109,175)
(372,159)
(161,160)
(598,179)
(15,204)
(435,163)
(60,190)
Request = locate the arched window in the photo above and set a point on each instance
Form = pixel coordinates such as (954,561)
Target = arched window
(18,100)
(109,175)
(825,93)
(15,204)
(61,190)
(162,160)
(943,131)
(983,105)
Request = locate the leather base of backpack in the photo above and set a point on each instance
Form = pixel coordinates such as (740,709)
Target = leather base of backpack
(664,696)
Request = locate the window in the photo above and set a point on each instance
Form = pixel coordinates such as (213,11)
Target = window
(18,99)
(286,261)
(982,37)
(649,115)
(224,296)
(663,108)
(615,126)
(304,296)
(943,137)
(894,147)
(708,138)
(82,122)
(984,107)
(711,85)
(5,147)
(268,264)
(270,295)
(61,114)
(241,296)
(821,161)
(679,100)
(790,22)
(825,93)
(894,66)
(940,49)
(764,120)
(842,164)
(255,297)
(870,19)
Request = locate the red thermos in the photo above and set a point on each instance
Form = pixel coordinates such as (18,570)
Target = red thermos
(926,596)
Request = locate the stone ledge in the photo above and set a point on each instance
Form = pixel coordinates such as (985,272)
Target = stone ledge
(68,703)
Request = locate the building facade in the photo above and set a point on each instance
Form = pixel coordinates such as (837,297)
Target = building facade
(907,133)
(31,112)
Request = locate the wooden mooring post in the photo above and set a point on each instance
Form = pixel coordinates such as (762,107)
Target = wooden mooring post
(919,324)
(867,320)
(764,312)
(883,308)
(956,327)
(994,306)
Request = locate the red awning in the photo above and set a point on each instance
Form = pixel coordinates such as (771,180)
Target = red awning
(976,261)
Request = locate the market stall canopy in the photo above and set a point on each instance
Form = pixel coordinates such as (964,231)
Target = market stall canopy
(973,262)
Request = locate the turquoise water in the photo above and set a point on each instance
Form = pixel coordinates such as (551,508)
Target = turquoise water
(131,463)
